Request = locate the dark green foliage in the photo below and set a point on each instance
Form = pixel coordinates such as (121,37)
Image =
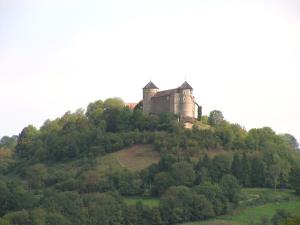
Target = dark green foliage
(8,142)
(246,170)
(180,204)
(94,112)
(27,142)
(290,140)
(13,197)
(56,219)
(237,167)
(130,215)
(166,162)
(258,172)
(162,181)
(295,179)
(4,198)
(18,217)
(127,183)
(183,173)
(103,209)
(231,188)
(220,166)
(36,175)
(214,193)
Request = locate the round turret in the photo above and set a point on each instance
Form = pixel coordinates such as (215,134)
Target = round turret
(148,92)
(187,104)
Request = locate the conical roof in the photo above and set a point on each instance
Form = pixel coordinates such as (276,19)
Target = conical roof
(150,85)
(186,85)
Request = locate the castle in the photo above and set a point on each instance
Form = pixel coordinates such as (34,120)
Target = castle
(179,101)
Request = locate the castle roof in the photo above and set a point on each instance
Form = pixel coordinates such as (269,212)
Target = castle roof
(150,85)
(186,85)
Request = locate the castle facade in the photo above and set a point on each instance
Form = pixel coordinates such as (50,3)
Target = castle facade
(179,101)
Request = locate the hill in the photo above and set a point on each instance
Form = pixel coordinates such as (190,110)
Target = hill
(113,165)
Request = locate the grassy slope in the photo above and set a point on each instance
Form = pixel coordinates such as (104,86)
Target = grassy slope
(280,200)
(135,158)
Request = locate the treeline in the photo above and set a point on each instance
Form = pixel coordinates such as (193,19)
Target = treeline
(109,126)
(178,204)
(188,191)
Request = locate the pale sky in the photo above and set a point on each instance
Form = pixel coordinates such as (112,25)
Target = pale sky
(241,57)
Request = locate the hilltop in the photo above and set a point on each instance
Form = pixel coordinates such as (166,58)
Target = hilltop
(110,164)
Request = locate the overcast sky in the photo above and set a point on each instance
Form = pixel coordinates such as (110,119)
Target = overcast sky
(241,57)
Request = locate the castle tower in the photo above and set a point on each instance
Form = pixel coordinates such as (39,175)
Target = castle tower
(148,92)
(187,104)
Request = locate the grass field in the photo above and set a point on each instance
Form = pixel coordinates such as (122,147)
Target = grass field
(283,199)
(135,158)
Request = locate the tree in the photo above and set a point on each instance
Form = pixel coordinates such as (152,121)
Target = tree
(56,219)
(225,134)
(204,119)
(258,172)
(290,140)
(36,175)
(215,117)
(274,173)
(219,166)
(202,208)
(8,142)
(4,198)
(183,173)
(114,103)
(37,216)
(155,217)
(162,181)
(180,204)
(278,170)
(213,192)
(199,116)
(104,208)
(18,217)
(295,179)
(246,170)
(236,167)
(90,181)
(25,143)
(94,112)
(166,162)
(231,188)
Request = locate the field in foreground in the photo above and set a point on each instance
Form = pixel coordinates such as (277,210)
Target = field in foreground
(252,214)
(243,216)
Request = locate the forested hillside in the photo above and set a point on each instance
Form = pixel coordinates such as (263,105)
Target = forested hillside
(70,170)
